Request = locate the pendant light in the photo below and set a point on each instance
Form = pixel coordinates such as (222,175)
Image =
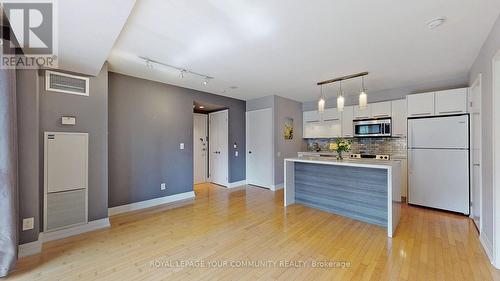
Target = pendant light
(321,102)
(340,99)
(363,97)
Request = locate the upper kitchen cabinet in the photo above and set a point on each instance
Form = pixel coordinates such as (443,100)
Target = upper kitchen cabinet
(310,116)
(381,109)
(451,101)
(420,104)
(362,113)
(437,103)
(398,114)
(326,125)
(331,114)
(347,126)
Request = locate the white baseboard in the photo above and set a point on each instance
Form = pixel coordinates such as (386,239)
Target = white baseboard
(150,203)
(485,242)
(28,249)
(278,186)
(236,184)
(72,231)
(35,247)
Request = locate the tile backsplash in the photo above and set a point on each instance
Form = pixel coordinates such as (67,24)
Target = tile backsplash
(390,146)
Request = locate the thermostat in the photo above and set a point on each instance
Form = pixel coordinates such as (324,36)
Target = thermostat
(68,120)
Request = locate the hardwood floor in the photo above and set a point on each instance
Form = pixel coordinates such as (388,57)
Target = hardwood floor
(251,224)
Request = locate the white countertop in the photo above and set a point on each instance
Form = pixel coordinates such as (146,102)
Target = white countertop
(367,163)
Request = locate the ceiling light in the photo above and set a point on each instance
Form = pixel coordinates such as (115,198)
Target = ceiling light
(321,101)
(363,97)
(436,22)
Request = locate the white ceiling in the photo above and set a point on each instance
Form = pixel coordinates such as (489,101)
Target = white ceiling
(284,47)
(87,32)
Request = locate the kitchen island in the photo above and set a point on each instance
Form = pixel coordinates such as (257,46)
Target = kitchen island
(365,190)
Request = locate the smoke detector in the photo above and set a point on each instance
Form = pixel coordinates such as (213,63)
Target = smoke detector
(436,22)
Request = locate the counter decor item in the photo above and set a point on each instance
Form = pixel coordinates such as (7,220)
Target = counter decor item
(340,146)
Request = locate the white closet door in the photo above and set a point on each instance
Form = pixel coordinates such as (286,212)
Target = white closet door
(200,152)
(218,127)
(259,141)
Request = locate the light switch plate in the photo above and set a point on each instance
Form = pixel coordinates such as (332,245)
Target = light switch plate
(28,223)
(236,154)
(163,186)
(181,146)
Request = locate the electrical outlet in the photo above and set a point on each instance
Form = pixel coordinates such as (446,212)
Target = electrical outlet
(163,186)
(236,154)
(28,223)
(181,145)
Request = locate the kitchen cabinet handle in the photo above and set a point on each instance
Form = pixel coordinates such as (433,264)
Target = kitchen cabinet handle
(421,114)
(451,111)
(332,119)
(381,115)
(314,121)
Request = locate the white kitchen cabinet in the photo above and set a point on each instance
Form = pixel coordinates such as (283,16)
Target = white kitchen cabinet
(330,114)
(347,117)
(420,104)
(404,175)
(309,116)
(381,109)
(398,114)
(362,113)
(326,125)
(451,101)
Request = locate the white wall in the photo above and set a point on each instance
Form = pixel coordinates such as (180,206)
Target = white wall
(483,64)
(282,108)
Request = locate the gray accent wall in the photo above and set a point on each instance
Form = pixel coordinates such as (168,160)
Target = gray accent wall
(147,122)
(91,117)
(286,108)
(483,64)
(282,108)
(28,151)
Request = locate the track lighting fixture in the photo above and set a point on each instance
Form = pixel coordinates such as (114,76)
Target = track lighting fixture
(183,71)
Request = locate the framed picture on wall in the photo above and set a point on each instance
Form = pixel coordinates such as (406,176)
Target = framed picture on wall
(288,129)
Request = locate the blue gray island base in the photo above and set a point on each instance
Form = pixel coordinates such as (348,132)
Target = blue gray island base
(357,189)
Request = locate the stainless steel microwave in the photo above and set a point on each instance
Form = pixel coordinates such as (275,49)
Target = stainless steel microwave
(373,128)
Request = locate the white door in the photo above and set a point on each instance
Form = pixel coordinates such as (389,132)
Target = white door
(476,183)
(259,142)
(439,178)
(218,147)
(439,132)
(200,161)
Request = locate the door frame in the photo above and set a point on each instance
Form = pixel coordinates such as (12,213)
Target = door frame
(478,82)
(226,170)
(495,252)
(271,184)
(205,117)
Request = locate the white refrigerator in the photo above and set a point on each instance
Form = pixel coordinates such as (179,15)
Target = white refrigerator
(438,162)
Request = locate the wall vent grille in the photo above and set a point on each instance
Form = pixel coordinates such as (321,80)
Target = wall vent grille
(66,83)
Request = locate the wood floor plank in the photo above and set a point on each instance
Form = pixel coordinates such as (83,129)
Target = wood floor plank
(250,224)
